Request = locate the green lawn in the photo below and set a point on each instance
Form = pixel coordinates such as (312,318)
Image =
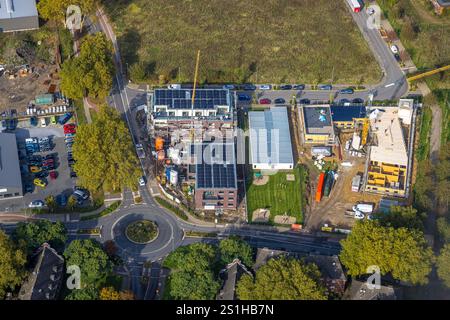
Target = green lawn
(279,195)
(256,41)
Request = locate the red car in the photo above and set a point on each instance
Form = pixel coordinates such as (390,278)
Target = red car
(265,101)
(48,162)
(69,128)
(53,175)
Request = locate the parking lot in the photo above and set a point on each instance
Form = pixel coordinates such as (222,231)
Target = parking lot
(63,182)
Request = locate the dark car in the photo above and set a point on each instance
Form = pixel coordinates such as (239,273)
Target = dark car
(286,87)
(397,57)
(358,100)
(244,97)
(63,119)
(42,174)
(325,87)
(299,87)
(305,101)
(33,121)
(29,188)
(280,101)
(249,87)
(61,200)
(347,91)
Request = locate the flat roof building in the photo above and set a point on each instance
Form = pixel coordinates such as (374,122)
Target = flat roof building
(215,176)
(388,158)
(18,15)
(346,117)
(270,139)
(175,105)
(10,177)
(317,125)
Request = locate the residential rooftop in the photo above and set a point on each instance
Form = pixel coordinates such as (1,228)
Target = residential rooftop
(318,119)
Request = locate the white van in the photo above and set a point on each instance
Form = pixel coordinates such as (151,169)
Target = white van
(363,207)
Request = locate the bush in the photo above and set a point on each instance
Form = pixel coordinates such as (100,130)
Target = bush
(104,212)
(180,213)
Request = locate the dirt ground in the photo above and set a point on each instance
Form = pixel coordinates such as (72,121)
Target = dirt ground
(18,92)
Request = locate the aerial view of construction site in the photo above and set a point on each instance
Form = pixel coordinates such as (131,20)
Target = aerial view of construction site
(197,150)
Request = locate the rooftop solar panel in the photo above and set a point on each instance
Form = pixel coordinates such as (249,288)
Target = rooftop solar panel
(204,98)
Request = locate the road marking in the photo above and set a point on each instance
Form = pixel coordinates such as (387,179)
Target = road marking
(390,85)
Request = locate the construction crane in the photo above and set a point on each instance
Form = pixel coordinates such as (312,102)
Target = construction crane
(428,73)
(193,95)
(365,131)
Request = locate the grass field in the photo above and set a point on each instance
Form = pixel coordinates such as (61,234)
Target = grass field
(279,195)
(273,41)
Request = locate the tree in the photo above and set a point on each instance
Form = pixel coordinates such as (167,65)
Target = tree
(12,265)
(56,10)
(109,293)
(403,253)
(50,201)
(409,30)
(443,265)
(233,248)
(399,216)
(105,153)
(282,279)
(89,293)
(71,202)
(91,73)
(93,261)
(137,72)
(110,248)
(443,226)
(33,234)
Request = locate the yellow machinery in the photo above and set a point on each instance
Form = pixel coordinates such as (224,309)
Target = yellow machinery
(429,73)
(365,131)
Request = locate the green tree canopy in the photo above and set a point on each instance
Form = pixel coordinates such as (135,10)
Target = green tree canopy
(443,226)
(234,247)
(403,253)
(93,261)
(89,293)
(282,279)
(56,10)
(12,265)
(33,234)
(91,72)
(400,216)
(105,154)
(443,265)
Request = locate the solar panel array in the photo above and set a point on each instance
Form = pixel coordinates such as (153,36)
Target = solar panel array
(218,168)
(182,98)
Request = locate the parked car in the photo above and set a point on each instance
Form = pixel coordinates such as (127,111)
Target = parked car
(42,174)
(244,97)
(174,86)
(40,183)
(69,128)
(347,91)
(70,135)
(394,49)
(397,57)
(53,120)
(28,188)
(43,123)
(142,181)
(286,87)
(82,193)
(299,87)
(358,100)
(280,101)
(229,86)
(72,173)
(265,87)
(325,87)
(36,204)
(33,121)
(35,169)
(53,175)
(61,200)
(265,101)
(249,87)
(63,119)
(305,101)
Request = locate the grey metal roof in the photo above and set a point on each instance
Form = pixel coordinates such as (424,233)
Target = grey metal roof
(9,162)
(270,137)
(10,9)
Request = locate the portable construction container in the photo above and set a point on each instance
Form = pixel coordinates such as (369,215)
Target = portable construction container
(44,99)
(319,191)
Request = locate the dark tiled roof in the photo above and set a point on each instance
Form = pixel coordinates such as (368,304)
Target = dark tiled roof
(45,280)
(231,275)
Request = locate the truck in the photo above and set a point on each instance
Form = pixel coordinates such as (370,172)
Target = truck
(319,192)
(44,99)
(321,151)
(329,180)
(355,5)
(363,207)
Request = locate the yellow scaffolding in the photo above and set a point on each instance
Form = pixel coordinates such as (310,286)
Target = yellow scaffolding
(428,73)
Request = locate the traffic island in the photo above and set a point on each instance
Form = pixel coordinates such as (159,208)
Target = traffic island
(142,231)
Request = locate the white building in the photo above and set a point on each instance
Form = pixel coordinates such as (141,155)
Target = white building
(270,140)
(405,110)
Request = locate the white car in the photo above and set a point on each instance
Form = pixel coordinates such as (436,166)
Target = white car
(174,86)
(265,87)
(394,49)
(142,181)
(43,123)
(36,204)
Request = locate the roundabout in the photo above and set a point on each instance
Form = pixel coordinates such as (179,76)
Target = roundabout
(142,231)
